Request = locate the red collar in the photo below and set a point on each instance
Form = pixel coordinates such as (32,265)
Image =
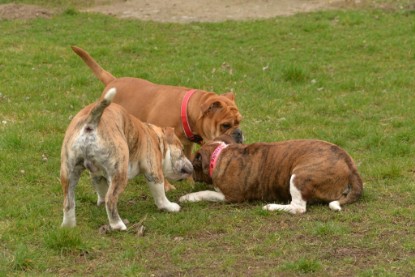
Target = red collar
(215,156)
(185,121)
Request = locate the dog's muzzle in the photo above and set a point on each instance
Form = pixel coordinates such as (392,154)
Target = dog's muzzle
(187,169)
(237,135)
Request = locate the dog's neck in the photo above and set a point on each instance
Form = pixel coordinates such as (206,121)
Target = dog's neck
(185,120)
(214,157)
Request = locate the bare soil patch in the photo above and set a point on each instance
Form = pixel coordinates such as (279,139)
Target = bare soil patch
(185,11)
(17,11)
(210,11)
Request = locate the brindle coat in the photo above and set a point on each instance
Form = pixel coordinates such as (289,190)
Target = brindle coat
(262,171)
(115,146)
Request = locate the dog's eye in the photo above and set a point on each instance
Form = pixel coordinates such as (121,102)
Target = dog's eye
(226,126)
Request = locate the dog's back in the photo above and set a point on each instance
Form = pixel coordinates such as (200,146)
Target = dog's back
(82,144)
(262,171)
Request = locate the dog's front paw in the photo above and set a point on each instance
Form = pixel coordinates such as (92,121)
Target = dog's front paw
(293,209)
(171,207)
(270,207)
(118,226)
(191,197)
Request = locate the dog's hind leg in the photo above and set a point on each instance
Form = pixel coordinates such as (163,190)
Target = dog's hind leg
(101,187)
(297,205)
(207,195)
(69,180)
(117,184)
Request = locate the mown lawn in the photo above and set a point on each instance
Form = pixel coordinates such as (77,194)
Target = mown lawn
(347,77)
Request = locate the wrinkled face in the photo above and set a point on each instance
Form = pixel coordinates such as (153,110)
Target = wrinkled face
(220,116)
(175,164)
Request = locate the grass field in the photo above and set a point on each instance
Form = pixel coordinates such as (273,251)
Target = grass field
(347,77)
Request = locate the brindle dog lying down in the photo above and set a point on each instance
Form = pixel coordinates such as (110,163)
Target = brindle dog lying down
(300,171)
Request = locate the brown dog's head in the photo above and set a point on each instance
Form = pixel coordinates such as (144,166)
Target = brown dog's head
(201,160)
(201,163)
(220,115)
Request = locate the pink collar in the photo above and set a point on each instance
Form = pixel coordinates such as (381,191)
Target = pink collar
(185,121)
(215,156)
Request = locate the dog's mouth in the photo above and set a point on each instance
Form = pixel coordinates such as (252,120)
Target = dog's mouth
(231,136)
(237,135)
(181,169)
(186,170)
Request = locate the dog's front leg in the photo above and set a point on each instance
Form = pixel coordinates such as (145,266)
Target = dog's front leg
(157,191)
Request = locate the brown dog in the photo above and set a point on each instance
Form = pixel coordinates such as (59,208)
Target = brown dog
(197,116)
(115,146)
(207,114)
(303,171)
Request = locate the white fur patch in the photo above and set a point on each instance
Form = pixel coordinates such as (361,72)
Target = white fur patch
(133,170)
(206,195)
(168,165)
(159,195)
(119,225)
(335,206)
(110,94)
(69,218)
(297,205)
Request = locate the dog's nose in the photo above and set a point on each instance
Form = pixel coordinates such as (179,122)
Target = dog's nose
(238,136)
(187,169)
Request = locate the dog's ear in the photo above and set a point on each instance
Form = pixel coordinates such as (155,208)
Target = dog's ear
(205,161)
(169,134)
(197,161)
(211,106)
(229,95)
(201,161)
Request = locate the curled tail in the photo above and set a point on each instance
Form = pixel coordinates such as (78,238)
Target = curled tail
(96,112)
(103,75)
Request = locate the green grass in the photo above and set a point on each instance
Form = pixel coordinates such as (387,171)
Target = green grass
(343,76)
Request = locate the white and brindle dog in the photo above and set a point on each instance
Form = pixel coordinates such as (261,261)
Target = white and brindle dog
(115,146)
(295,171)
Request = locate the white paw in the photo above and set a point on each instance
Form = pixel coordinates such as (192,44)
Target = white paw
(293,209)
(335,206)
(68,224)
(69,219)
(270,207)
(118,226)
(191,197)
(171,207)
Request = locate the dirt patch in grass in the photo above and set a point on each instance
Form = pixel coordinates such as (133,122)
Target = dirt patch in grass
(210,11)
(186,10)
(18,11)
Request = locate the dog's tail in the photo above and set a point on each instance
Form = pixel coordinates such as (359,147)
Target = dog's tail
(354,189)
(97,111)
(103,75)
